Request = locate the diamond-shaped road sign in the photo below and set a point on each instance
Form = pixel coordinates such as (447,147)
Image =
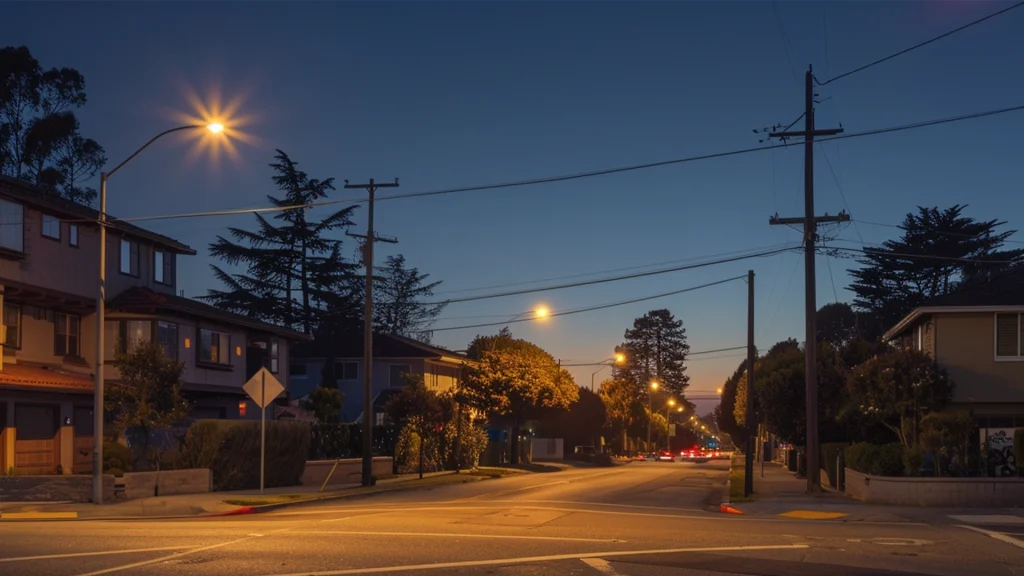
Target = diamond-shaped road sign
(263,388)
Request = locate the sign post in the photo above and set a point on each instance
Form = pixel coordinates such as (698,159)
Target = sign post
(263,387)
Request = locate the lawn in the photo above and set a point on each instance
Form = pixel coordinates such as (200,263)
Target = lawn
(736,479)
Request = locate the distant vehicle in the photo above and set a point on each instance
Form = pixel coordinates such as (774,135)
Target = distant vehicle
(664,456)
(695,454)
(584,453)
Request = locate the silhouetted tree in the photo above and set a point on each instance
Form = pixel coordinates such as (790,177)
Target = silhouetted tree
(398,295)
(655,349)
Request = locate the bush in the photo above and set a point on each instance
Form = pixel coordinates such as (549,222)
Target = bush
(116,456)
(407,452)
(328,441)
(1018,450)
(232,450)
(885,460)
(948,436)
(913,460)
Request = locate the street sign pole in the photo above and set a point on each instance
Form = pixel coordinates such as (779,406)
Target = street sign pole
(263,429)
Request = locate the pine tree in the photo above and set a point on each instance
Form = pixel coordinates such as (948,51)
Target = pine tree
(655,349)
(293,273)
(938,251)
(398,306)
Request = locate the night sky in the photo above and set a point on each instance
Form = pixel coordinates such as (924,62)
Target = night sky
(446,95)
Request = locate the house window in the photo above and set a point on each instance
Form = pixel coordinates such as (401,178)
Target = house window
(381,418)
(118,333)
(297,370)
(396,374)
(12,325)
(129,257)
(1008,336)
(346,371)
(12,226)
(66,334)
(214,347)
(163,267)
(51,227)
(73,235)
(274,360)
(167,338)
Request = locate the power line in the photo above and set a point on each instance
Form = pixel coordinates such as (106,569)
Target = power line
(919,45)
(840,188)
(637,267)
(587,309)
(567,177)
(884,253)
(688,354)
(613,278)
(786,44)
(943,232)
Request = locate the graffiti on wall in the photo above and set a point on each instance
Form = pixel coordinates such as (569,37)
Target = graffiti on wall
(999,443)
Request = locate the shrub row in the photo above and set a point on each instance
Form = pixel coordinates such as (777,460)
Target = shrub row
(884,460)
(231,448)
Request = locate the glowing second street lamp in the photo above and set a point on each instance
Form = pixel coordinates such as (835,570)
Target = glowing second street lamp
(98,408)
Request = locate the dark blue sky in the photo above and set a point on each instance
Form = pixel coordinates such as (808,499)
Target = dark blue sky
(445,95)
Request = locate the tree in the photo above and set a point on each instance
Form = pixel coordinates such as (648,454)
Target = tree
(622,408)
(40,139)
(725,412)
(514,378)
(148,395)
(398,306)
(655,349)
(897,389)
(294,275)
(938,251)
(579,424)
(419,412)
(325,403)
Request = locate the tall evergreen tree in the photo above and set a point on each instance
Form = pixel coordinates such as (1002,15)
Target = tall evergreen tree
(398,307)
(655,349)
(294,275)
(938,251)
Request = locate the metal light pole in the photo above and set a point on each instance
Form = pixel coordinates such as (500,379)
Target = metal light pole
(617,359)
(98,408)
(651,389)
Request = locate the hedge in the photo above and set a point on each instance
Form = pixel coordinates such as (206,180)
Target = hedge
(1018,450)
(885,460)
(231,448)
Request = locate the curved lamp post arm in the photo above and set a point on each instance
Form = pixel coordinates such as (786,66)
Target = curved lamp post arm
(154,139)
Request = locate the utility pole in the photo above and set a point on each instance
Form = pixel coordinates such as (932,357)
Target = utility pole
(368,243)
(810,223)
(748,462)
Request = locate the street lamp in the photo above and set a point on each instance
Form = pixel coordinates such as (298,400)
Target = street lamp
(654,387)
(618,359)
(668,406)
(97,456)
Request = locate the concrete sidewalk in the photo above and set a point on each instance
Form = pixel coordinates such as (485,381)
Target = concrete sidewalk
(220,503)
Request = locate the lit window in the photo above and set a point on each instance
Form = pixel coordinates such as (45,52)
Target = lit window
(214,347)
(51,226)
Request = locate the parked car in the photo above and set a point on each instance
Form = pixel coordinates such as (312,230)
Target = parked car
(664,456)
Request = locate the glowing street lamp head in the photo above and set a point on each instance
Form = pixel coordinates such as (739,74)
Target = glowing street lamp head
(718,391)
(541,312)
(620,358)
(654,385)
(215,127)
(680,409)
(671,402)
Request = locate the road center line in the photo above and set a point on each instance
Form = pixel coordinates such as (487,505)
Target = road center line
(534,559)
(84,554)
(453,535)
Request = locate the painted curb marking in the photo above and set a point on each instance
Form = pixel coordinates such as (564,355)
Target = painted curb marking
(38,515)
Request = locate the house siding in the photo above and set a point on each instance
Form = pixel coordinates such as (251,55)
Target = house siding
(966,348)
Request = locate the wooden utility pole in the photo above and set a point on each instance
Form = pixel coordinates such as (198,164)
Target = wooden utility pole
(810,222)
(748,468)
(369,240)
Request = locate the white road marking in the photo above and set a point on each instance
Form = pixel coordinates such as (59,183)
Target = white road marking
(451,535)
(988,519)
(602,566)
(82,554)
(997,535)
(504,492)
(534,559)
(574,502)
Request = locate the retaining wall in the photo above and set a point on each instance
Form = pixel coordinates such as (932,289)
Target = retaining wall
(349,471)
(52,488)
(936,492)
(167,483)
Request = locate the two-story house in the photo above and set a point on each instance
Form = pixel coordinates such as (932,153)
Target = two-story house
(978,337)
(49,261)
(392,356)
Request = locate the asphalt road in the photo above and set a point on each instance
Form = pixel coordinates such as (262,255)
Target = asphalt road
(641,519)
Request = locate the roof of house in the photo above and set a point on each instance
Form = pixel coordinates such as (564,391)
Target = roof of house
(145,300)
(30,377)
(350,345)
(60,206)
(1001,293)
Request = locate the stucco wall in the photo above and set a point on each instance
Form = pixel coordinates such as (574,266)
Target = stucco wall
(349,471)
(965,346)
(936,492)
(169,482)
